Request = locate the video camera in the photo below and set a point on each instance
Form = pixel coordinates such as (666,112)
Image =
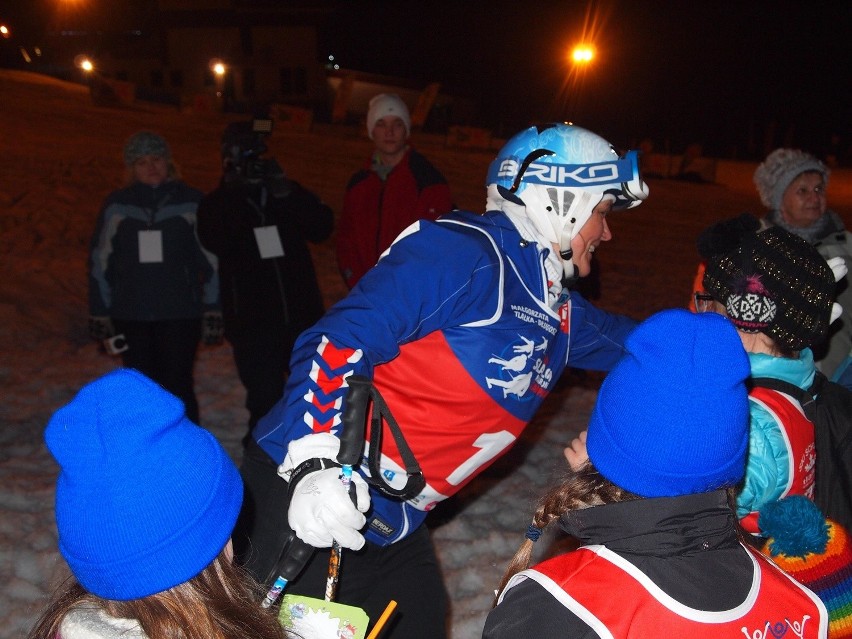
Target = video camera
(243,144)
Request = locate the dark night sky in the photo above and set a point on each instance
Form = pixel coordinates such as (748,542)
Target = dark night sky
(716,72)
(723,73)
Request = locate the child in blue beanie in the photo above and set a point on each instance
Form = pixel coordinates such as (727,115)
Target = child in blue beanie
(659,553)
(145,505)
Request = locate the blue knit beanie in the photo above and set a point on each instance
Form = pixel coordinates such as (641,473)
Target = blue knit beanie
(145,499)
(672,417)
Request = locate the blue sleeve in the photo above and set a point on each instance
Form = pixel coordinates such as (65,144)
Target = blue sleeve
(432,277)
(767,469)
(597,337)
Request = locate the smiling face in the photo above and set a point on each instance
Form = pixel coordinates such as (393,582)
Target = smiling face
(804,200)
(151,170)
(587,240)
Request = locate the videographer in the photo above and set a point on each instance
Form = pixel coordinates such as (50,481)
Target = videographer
(258,222)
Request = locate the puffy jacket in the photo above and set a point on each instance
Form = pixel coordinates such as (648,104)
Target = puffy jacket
(768,469)
(181,285)
(376,211)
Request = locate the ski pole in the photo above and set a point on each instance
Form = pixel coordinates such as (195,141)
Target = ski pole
(293,558)
(351,449)
(335,557)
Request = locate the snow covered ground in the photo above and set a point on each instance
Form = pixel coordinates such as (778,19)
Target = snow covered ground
(61,156)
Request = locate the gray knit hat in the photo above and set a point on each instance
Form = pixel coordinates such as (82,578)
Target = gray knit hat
(781,167)
(145,143)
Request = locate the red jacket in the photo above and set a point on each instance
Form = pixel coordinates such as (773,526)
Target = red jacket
(375,212)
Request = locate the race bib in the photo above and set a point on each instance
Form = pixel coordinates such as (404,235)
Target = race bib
(268,242)
(150,247)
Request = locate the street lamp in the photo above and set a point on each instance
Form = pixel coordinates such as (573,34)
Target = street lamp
(582,54)
(579,59)
(84,63)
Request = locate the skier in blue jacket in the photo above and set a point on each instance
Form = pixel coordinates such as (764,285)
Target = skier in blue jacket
(464,327)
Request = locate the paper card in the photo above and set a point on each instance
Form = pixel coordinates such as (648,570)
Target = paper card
(311,617)
(150,247)
(268,242)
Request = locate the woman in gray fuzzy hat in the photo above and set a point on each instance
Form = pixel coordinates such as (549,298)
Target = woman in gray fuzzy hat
(792,185)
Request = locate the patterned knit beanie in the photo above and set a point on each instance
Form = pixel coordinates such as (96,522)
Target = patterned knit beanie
(815,551)
(781,167)
(145,143)
(145,499)
(771,282)
(672,417)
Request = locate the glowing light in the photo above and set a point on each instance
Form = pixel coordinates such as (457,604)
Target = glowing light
(582,54)
(84,63)
(4,31)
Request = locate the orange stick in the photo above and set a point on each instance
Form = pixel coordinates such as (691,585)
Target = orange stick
(382,620)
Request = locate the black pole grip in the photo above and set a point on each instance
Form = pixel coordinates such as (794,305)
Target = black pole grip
(354,420)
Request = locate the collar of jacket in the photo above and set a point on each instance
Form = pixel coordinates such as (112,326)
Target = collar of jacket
(660,526)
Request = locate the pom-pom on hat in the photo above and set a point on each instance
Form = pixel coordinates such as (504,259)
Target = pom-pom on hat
(775,283)
(385,104)
(815,551)
(145,499)
(781,167)
(145,143)
(672,417)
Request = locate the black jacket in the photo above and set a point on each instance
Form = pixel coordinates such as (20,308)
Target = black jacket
(280,291)
(687,545)
(181,285)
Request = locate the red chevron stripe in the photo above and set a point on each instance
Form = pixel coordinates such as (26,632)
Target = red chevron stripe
(336,357)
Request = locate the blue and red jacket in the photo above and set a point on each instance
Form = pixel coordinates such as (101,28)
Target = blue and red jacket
(454,328)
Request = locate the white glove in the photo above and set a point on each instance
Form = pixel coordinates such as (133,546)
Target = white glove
(321,510)
(838,267)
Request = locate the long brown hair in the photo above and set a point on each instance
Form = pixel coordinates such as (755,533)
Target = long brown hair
(581,489)
(220,602)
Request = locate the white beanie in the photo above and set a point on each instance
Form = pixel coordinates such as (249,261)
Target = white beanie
(385,104)
(779,169)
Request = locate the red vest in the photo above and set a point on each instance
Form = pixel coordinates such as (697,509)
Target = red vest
(617,600)
(798,435)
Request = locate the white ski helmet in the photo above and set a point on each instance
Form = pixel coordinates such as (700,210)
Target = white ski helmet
(559,173)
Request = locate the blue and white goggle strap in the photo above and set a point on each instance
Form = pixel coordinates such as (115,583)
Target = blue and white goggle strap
(620,178)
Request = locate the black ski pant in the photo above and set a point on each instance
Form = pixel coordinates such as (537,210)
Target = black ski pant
(407,571)
(165,352)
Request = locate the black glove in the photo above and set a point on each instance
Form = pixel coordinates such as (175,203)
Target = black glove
(100,327)
(212,328)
